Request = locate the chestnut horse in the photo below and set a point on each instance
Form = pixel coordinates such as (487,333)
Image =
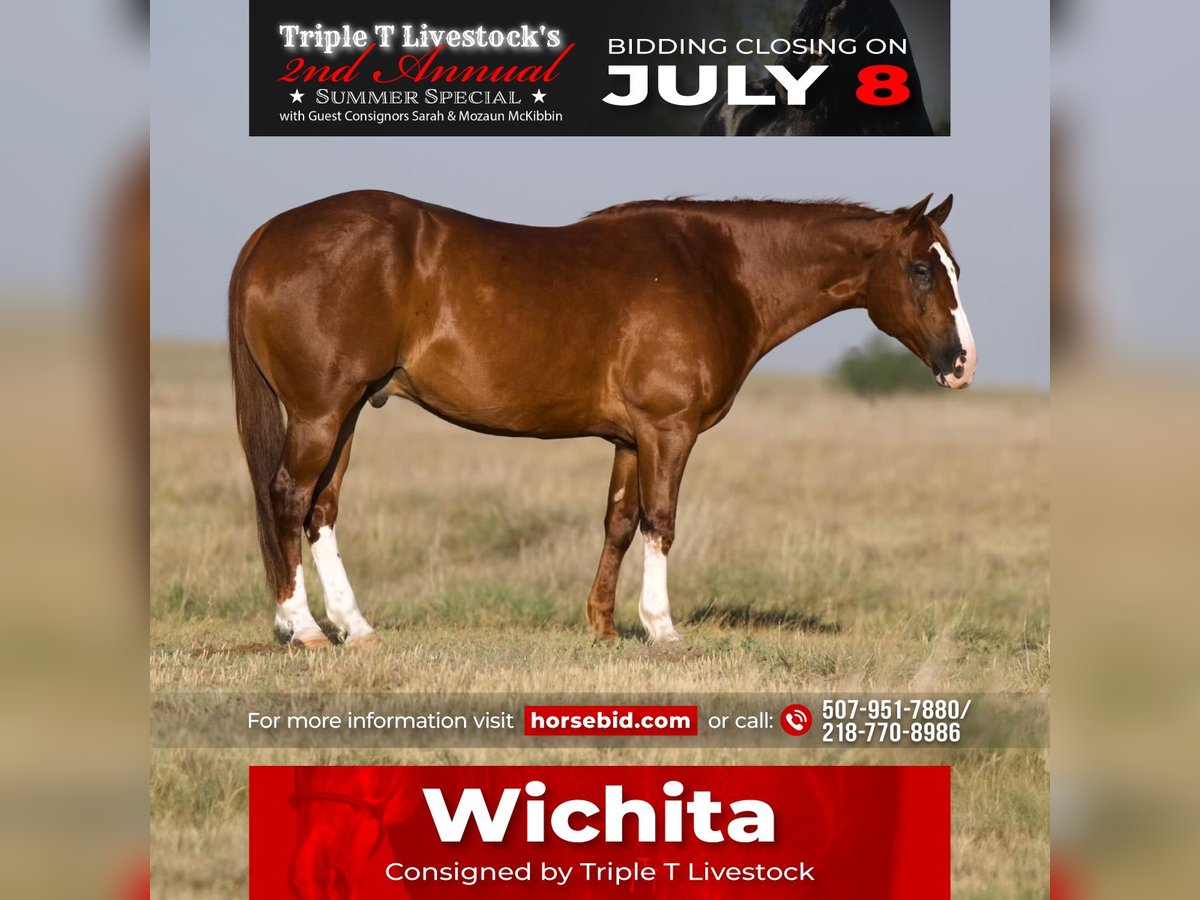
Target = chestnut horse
(637,324)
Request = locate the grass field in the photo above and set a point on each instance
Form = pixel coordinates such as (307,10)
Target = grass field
(824,542)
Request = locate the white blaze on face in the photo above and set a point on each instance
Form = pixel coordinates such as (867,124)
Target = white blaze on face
(654,608)
(960,322)
(340,605)
(292,617)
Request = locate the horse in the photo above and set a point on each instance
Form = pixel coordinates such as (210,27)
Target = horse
(832,108)
(638,324)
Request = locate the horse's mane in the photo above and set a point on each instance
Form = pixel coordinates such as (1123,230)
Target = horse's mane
(683,202)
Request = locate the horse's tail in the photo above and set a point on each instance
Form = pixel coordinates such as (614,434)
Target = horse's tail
(259,423)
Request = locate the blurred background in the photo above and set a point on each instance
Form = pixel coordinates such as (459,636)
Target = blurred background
(1125,798)
(74,307)
(74,301)
(1126,727)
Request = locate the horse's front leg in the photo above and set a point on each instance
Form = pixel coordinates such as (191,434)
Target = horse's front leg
(663,450)
(620,522)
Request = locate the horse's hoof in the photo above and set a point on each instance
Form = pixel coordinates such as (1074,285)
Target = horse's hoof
(367,643)
(312,641)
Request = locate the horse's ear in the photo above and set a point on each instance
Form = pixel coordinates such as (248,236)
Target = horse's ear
(911,215)
(942,210)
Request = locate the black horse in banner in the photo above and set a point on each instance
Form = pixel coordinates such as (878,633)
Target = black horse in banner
(832,107)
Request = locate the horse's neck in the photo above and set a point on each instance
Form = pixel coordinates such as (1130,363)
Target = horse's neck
(801,269)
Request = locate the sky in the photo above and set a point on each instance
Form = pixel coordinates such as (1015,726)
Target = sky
(213,185)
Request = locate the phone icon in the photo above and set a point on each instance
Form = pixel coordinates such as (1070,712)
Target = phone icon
(795,719)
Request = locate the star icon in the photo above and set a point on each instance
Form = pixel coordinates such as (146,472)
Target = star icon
(539,96)
(296,96)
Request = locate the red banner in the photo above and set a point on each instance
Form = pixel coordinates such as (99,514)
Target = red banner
(600,831)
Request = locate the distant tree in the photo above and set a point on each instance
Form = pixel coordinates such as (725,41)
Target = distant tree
(882,367)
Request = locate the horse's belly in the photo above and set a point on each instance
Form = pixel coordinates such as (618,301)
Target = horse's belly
(483,398)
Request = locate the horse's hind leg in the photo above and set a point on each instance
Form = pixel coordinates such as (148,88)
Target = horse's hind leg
(308,448)
(340,604)
(620,523)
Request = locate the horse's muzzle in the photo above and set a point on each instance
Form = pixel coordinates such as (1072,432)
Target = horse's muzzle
(957,371)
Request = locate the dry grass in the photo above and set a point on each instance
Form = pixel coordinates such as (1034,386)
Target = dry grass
(824,542)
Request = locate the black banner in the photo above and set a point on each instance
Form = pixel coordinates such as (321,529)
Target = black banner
(661,67)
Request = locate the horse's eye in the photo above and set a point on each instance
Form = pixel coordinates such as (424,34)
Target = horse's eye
(921,271)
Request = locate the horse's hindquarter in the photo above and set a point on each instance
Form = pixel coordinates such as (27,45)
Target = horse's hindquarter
(319,298)
(559,332)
